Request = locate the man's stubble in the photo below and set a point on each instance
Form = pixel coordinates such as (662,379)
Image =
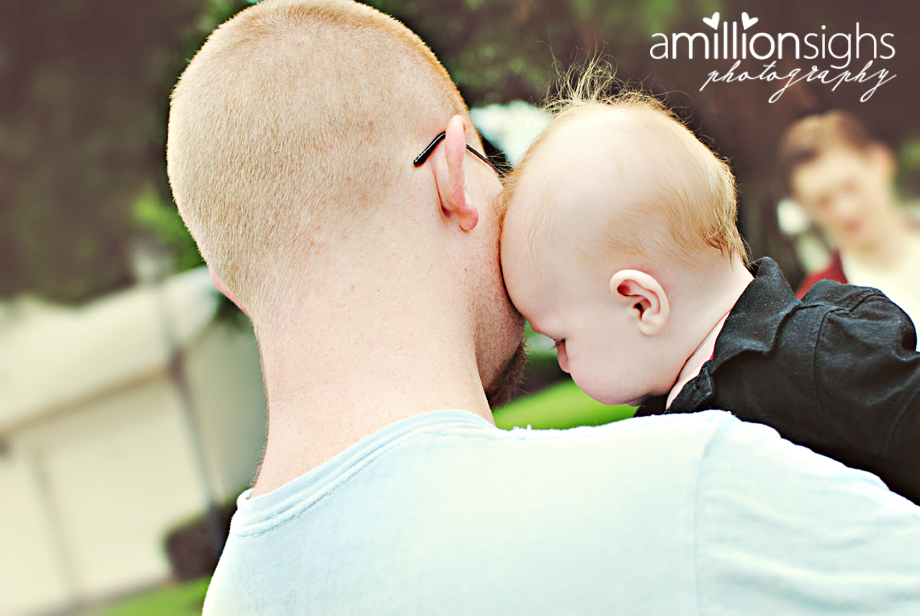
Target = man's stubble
(508,379)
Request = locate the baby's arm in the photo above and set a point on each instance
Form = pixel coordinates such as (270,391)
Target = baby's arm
(867,372)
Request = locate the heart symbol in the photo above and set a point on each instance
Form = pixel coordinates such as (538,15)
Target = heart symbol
(747,21)
(713,22)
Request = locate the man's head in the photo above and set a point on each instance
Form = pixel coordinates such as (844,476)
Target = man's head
(613,216)
(291,140)
(841,175)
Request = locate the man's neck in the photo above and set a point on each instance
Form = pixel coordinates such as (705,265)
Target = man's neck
(352,362)
(889,250)
(715,310)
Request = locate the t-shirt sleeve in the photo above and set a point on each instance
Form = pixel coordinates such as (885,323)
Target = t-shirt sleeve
(782,530)
(867,373)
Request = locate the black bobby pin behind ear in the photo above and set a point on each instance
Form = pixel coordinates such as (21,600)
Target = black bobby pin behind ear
(421,158)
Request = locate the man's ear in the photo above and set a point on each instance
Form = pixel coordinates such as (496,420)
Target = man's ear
(449,175)
(223,289)
(643,298)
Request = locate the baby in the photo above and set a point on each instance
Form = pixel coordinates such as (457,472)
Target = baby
(619,242)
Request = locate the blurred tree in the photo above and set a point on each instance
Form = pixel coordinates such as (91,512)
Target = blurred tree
(84,90)
(78,130)
(498,50)
(83,108)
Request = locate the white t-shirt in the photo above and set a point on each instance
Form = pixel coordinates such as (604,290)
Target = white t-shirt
(901,284)
(696,514)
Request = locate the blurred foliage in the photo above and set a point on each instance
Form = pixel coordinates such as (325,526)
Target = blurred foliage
(80,129)
(83,108)
(501,50)
(164,223)
(85,85)
(559,407)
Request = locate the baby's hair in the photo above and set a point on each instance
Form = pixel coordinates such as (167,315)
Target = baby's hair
(810,137)
(691,215)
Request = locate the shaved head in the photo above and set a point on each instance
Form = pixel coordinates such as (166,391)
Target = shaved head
(294,126)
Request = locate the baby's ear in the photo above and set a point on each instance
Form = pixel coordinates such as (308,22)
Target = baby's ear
(643,298)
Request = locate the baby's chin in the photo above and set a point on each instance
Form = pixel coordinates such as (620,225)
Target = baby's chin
(629,398)
(614,398)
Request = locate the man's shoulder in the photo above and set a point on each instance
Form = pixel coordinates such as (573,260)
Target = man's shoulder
(449,457)
(479,520)
(678,441)
(698,426)
(658,461)
(558,459)
(645,441)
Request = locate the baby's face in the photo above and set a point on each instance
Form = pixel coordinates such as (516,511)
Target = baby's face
(558,291)
(564,303)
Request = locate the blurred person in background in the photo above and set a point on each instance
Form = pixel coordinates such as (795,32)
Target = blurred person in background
(844,179)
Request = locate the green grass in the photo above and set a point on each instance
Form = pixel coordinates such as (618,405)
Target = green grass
(174,600)
(560,406)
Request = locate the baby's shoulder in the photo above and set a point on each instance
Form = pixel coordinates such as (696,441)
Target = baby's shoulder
(828,295)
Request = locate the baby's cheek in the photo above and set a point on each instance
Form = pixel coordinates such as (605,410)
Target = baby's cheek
(516,287)
(597,378)
(588,383)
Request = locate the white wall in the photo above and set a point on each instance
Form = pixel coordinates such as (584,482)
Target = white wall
(89,491)
(222,367)
(112,476)
(31,572)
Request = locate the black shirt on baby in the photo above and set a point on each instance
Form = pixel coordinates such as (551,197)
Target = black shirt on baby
(836,371)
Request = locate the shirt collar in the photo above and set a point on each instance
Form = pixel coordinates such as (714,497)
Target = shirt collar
(755,319)
(751,325)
